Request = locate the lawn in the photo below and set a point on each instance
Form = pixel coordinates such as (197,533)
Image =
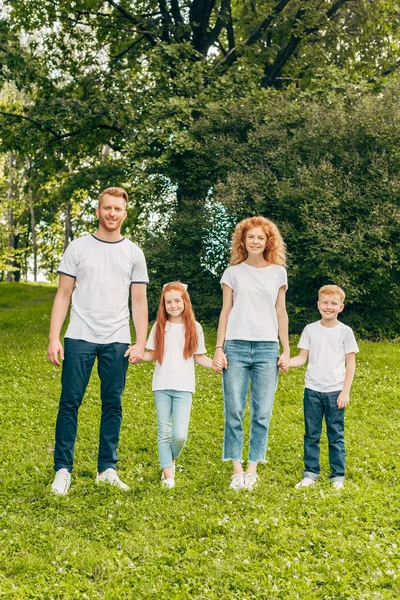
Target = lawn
(199,540)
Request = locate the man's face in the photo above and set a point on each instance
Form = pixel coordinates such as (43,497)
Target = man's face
(330,305)
(111,213)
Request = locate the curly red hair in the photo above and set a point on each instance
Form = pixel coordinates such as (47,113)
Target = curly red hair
(191,337)
(275,249)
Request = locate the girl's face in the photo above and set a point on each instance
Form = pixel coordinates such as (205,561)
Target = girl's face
(255,241)
(174,303)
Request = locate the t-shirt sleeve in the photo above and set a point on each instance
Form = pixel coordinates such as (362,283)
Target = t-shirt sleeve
(350,344)
(139,270)
(150,345)
(305,340)
(227,278)
(201,349)
(283,279)
(68,264)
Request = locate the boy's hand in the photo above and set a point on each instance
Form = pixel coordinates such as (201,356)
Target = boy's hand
(343,400)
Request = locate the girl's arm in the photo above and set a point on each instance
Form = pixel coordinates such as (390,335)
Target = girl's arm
(300,359)
(203,360)
(220,361)
(283,329)
(148,356)
(344,396)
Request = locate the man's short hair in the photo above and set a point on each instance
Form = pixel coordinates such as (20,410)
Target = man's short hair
(116,192)
(330,290)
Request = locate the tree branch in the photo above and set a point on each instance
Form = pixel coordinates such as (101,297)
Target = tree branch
(131,19)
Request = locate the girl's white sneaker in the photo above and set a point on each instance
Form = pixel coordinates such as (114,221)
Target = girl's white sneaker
(168,483)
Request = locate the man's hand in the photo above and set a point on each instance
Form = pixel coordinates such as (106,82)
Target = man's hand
(55,348)
(135,354)
(220,361)
(343,400)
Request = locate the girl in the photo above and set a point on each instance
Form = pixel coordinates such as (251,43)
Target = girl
(253,315)
(175,342)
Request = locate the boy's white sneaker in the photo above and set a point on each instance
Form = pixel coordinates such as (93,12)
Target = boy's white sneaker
(238,481)
(306,482)
(250,480)
(61,482)
(110,476)
(338,485)
(168,483)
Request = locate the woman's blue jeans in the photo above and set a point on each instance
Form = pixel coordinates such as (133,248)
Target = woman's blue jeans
(79,358)
(316,406)
(256,362)
(173,414)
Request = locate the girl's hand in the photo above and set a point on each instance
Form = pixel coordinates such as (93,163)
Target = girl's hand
(284,362)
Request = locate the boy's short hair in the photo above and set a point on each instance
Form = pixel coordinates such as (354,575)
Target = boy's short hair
(330,290)
(116,192)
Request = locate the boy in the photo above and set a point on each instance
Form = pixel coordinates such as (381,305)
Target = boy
(330,348)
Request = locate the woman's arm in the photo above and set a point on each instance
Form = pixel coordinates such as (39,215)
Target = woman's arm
(220,361)
(203,360)
(283,329)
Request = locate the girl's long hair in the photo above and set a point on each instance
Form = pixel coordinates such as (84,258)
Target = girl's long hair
(189,321)
(275,249)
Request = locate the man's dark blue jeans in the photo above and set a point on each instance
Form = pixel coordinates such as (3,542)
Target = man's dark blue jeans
(79,357)
(316,406)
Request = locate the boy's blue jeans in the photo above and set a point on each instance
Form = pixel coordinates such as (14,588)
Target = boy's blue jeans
(173,414)
(79,357)
(316,406)
(257,362)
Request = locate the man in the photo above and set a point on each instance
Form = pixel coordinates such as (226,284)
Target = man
(97,271)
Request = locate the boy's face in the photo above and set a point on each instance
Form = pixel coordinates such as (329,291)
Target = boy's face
(330,305)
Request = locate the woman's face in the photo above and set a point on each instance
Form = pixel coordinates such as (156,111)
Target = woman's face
(255,241)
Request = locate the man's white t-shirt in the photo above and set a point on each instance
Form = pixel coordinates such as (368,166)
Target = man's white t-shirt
(175,372)
(253,314)
(103,273)
(327,348)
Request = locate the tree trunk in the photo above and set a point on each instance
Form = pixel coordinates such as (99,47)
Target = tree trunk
(33,231)
(11,237)
(68,226)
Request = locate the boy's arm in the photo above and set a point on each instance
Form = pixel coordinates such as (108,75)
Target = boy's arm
(300,359)
(283,329)
(203,360)
(58,314)
(344,396)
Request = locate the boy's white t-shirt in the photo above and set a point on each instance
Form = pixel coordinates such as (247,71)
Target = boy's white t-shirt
(175,372)
(253,314)
(327,348)
(103,273)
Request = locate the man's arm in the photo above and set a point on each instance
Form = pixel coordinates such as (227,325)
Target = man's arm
(344,396)
(140,320)
(58,314)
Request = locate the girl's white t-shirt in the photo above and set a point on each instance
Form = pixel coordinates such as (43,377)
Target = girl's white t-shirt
(253,314)
(327,348)
(175,372)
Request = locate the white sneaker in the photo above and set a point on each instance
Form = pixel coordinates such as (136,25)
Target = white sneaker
(306,482)
(168,483)
(237,481)
(110,476)
(173,471)
(250,480)
(61,482)
(338,485)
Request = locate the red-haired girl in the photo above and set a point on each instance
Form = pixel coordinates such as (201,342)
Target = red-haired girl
(175,342)
(253,317)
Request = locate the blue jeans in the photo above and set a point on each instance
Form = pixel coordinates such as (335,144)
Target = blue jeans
(257,362)
(173,414)
(79,357)
(316,406)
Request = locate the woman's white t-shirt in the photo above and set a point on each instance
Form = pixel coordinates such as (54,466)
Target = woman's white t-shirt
(253,315)
(175,372)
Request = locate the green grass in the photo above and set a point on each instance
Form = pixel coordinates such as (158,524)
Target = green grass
(199,540)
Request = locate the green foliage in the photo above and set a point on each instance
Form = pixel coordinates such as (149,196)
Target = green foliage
(199,540)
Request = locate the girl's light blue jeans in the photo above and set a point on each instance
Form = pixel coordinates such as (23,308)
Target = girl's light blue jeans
(256,362)
(173,414)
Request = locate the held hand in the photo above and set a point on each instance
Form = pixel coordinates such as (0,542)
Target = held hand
(220,360)
(284,362)
(135,354)
(343,400)
(55,348)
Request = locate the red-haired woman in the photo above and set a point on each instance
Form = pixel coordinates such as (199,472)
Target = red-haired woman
(175,342)
(253,317)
